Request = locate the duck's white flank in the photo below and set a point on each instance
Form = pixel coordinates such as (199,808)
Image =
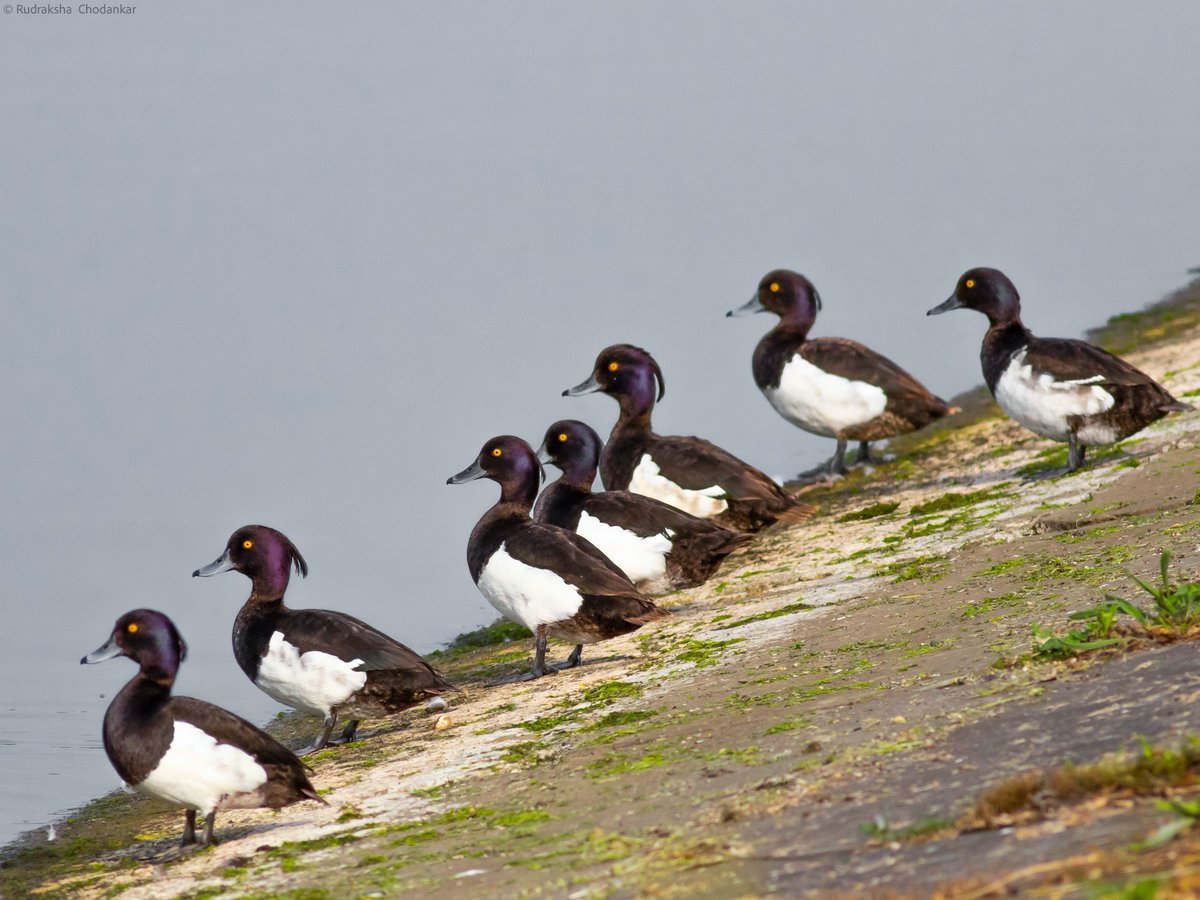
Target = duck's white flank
(821,403)
(641,558)
(1043,404)
(649,481)
(314,681)
(201,774)
(527,594)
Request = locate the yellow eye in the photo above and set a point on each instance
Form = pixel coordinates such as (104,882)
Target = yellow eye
(562,438)
(496,451)
(246,545)
(612,367)
(970,282)
(774,287)
(132,629)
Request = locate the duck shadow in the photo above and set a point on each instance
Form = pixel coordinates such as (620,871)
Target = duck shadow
(1052,468)
(556,670)
(165,850)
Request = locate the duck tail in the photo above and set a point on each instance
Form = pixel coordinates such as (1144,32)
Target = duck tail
(1176,406)
(735,539)
(648,613)
(798,512)
(310,792)
(940,409)
(441,685)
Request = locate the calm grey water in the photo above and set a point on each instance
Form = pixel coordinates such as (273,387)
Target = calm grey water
(293,264)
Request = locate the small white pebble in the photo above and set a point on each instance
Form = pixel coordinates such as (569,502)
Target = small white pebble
(51,834)
(470,872)
(437,704)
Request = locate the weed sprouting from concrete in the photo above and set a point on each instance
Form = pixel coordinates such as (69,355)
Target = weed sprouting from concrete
(1175,614)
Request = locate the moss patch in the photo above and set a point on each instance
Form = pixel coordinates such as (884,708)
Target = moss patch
(874,511)
(499,632)
(789,609)
(954,500)
(923,568)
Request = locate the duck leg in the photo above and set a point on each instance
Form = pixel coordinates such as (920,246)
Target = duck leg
(540,666)
(187,845)
(323,738)
(837,463)
(209,821)
(1075,453)
(864,453)
(189,828)
(539,655)
(349,732)
(575,659)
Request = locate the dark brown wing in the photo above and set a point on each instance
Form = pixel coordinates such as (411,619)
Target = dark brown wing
(1070,360)
(573,557)
(287,781)
(324,630)
(645,516)
(233,730)
(851,360)
(606,593)
(694,463)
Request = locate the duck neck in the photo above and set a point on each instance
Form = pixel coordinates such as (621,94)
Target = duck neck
(636,409)
(578,475)
(151,687)
(637,393)
(793,326)
(519,488)
(270,581)
(1002,341)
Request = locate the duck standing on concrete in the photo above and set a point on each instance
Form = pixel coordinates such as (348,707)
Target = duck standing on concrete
(552,581)
(689,473)
(322,662)
(831,386)
(1062,389)
(186,751)
(659,547)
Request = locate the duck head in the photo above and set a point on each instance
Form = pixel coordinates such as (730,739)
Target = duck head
(263,555)
(511,463)
(788,295)
(628,373)
(574,447)
(987,290)
(150,639)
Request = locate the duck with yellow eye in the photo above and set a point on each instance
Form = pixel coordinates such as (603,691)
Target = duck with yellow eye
(688,473)
(1062,389)
(185,751)
(552,581)
(315,660)
(659,547)
(831,386)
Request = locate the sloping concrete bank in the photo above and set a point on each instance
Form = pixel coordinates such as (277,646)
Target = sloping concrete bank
(824,715)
